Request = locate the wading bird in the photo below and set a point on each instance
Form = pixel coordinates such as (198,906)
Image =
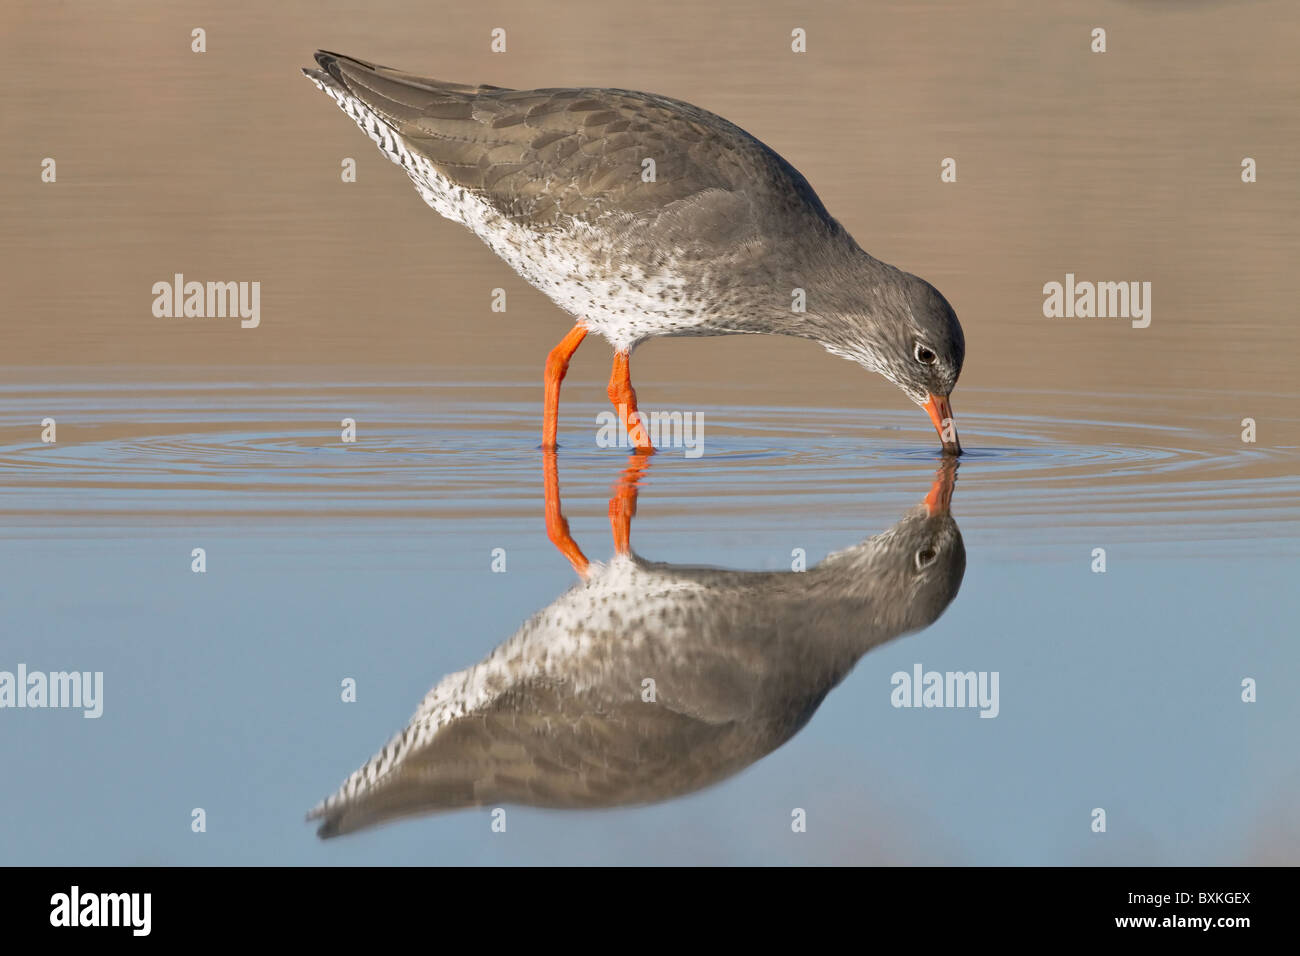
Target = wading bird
(644,216)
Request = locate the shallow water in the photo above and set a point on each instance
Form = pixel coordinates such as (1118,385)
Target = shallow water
(435,449)
(374,561)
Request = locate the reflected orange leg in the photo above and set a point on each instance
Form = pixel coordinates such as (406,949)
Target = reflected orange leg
(622,505)
(557,363)
(557,528)
(623,397)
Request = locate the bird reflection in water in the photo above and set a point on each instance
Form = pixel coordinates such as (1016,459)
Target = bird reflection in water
(646,681)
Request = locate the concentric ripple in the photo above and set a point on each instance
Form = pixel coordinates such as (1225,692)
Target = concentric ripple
(229,449)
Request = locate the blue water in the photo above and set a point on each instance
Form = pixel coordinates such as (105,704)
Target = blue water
(372,561)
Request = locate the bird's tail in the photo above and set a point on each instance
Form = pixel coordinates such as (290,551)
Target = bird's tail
(393,95)
(388,105)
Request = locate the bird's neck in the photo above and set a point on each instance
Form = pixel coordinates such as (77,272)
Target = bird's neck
(831,290)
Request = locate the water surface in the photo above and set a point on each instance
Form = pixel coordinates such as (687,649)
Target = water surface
(373,561)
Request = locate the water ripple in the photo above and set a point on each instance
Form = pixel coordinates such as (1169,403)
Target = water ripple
(230,449)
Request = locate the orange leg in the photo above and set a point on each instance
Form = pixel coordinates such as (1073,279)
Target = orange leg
(623,397)
(557,363)
(622,505)
(557,528)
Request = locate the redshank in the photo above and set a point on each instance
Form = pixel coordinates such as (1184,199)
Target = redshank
(560,715)
(645,216)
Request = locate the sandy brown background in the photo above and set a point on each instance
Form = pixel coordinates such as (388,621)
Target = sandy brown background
(225,166)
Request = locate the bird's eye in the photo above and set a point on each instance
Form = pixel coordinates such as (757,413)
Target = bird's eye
(925,356)
(925,557)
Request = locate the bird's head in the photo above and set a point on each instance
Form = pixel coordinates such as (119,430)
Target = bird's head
(899,325)
(905,577)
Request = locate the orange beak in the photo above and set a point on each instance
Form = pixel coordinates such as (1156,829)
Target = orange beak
(939,500)
(941,414)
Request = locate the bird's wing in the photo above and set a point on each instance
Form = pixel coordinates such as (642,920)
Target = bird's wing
(541,745)
(548,157)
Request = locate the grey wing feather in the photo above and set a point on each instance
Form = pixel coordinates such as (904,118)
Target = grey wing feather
(507,752)
(544,156)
